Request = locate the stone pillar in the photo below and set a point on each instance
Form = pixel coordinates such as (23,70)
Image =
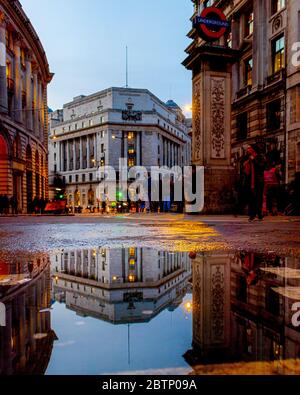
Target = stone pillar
(74,154)
(95,148)
(40,111)
(138,149)
(88,158)
(81,154)
(18,80)
(125,146)
(212,122)
(36,104)
(29,110)
(3,80)
(61,161)
(68,155)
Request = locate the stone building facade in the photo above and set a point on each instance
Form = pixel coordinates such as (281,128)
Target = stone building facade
(116,123)
(119,285)
(243,309)
(254,89)
(24,75)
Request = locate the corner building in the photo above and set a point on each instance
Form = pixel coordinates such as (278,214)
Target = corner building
(24,76)
(254,89)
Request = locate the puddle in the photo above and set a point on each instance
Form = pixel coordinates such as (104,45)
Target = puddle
(137,310)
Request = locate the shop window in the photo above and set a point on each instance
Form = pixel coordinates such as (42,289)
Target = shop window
(274,115)
(278,54)
(242,126)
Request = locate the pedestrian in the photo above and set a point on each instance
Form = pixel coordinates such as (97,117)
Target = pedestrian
(13,201)
(5,205)
(253,169)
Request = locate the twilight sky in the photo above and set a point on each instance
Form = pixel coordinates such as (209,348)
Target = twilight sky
(85,44)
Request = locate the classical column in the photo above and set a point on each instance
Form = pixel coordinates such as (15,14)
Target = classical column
(68,155)
(17,79)
(40,110)
(3,80)
(125,146)
(95,147)
(29,109)
(74,154)
(81,154)
(138,149)
(88,152)
(36,104)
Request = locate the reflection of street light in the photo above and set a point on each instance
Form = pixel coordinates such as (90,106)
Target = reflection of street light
(188,306)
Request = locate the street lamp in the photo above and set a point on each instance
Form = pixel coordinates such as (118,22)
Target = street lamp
(129,137)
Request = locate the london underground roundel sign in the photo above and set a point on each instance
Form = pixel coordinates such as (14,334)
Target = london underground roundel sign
(211,24)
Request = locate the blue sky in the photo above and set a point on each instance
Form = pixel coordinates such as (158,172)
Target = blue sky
(85,44)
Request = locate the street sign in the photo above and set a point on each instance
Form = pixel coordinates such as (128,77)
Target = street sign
(211,24)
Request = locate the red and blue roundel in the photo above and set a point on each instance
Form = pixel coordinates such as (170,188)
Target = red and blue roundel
(211,24)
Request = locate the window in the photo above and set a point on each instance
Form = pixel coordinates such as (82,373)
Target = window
(249,23)
(229,40)
(91,176)
(83,177)
(278,54)
(248,71)
(90,122)
(75,126)
(131,162)
(277,5)
(83,125)
(77,178)
(102,148)
(54,156)
(274,115)
(242,126)
(132,262)
(70,179)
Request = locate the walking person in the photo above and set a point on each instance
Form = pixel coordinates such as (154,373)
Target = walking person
(13,201)
(253,169)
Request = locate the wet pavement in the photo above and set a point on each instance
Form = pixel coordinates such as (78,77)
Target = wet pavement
(90,295)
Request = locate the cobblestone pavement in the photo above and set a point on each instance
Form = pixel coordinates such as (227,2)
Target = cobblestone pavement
(164,231)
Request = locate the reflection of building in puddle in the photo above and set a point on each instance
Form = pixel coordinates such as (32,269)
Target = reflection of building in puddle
(239,310)
(26,338)
(120,285)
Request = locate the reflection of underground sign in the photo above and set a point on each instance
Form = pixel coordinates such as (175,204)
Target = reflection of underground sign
(211,24)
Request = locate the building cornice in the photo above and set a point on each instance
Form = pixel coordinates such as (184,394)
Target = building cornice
(13,9)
